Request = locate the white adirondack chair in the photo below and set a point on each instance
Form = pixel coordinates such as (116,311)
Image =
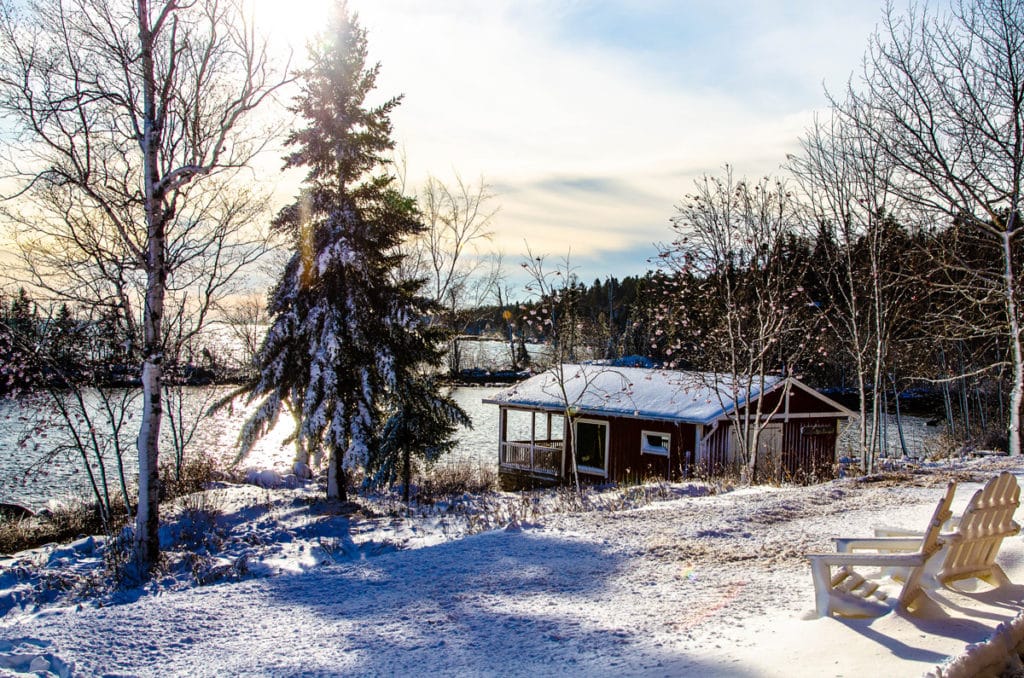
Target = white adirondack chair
(850,593)
(971,542)
(966,552)
(970,551)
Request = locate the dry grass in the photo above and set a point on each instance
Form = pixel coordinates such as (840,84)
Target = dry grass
(195,475)
(70,522)
(62,524)
(443,482)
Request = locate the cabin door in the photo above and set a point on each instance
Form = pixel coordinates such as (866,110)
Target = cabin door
(591,441)
(769,452)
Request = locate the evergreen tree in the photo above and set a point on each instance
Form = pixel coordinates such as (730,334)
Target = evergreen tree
(420,417)
(19,337)
(347,336)
(421,423)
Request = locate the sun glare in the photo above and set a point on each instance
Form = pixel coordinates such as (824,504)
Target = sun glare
(289,22)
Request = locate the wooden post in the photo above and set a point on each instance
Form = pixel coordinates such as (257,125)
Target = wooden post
(533,439)
(502,423)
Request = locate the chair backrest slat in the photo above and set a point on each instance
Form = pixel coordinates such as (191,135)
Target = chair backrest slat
(929,545)
(987,520)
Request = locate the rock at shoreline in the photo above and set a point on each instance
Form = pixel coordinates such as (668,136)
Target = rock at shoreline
(14,512)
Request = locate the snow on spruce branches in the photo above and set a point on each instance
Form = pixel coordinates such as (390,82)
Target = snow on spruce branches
(349,338)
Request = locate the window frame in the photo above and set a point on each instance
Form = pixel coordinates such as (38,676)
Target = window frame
(646,448)
(592,470)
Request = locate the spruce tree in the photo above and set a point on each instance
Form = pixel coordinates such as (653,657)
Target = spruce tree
(420,417)
(347,337)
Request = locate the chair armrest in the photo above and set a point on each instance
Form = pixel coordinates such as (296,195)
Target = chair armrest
(874,559)
(886,531)
(889,532)
(848,544)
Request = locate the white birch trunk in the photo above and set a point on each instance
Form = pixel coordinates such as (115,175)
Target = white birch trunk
(332,476)
(1017,387)
(147,520)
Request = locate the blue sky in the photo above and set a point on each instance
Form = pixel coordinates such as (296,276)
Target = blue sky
(591,119)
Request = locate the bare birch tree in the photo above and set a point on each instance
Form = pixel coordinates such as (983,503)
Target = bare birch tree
(123,111)
(554,318)
(941,96)
(458,218)
(846,180)
(245,319)
(731,252)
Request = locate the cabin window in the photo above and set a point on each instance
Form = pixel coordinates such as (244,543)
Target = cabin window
(541,428)
(592,446)
(653,442)
(557,426)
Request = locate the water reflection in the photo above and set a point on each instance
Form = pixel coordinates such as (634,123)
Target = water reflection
(59,475)
(36,466)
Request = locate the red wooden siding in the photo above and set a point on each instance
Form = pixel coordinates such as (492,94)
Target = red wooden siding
(627,463)
(808,450)
(800,402)
(715,459)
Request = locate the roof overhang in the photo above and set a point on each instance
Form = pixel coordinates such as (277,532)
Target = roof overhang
(592,412)
(723,414)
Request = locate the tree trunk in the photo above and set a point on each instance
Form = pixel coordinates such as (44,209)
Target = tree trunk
(336,485)
(406,474)
(570,444)
(899,419)
(304,461)
(754,441)
(454,356)
(1017,385)
(147,521)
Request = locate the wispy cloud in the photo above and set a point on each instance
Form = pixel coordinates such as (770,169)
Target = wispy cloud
(593,118)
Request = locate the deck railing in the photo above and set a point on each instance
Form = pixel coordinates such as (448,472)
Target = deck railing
(540,456)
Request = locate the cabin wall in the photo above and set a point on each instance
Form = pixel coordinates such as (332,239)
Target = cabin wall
(801,403)
(716,457)
(808,450)
(628,463)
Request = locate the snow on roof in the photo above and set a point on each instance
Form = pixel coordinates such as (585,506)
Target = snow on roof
(691,397)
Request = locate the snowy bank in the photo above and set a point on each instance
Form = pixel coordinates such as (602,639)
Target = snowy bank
(710,585)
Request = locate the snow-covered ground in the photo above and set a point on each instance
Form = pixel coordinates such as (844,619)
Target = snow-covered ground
(669,580)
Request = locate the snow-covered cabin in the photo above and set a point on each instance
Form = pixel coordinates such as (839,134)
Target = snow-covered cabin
(634,424)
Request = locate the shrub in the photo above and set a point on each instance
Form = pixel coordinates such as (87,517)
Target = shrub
(60,524)
(454,479)
(194,475)
(77,519)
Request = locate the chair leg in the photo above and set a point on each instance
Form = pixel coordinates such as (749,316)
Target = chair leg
(995,577)
(822,575)
(846,593)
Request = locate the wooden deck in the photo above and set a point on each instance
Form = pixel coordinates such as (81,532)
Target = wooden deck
(540,457)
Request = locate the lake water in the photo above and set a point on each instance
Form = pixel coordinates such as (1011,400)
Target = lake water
(42,466)
(36,470)
(54,474)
